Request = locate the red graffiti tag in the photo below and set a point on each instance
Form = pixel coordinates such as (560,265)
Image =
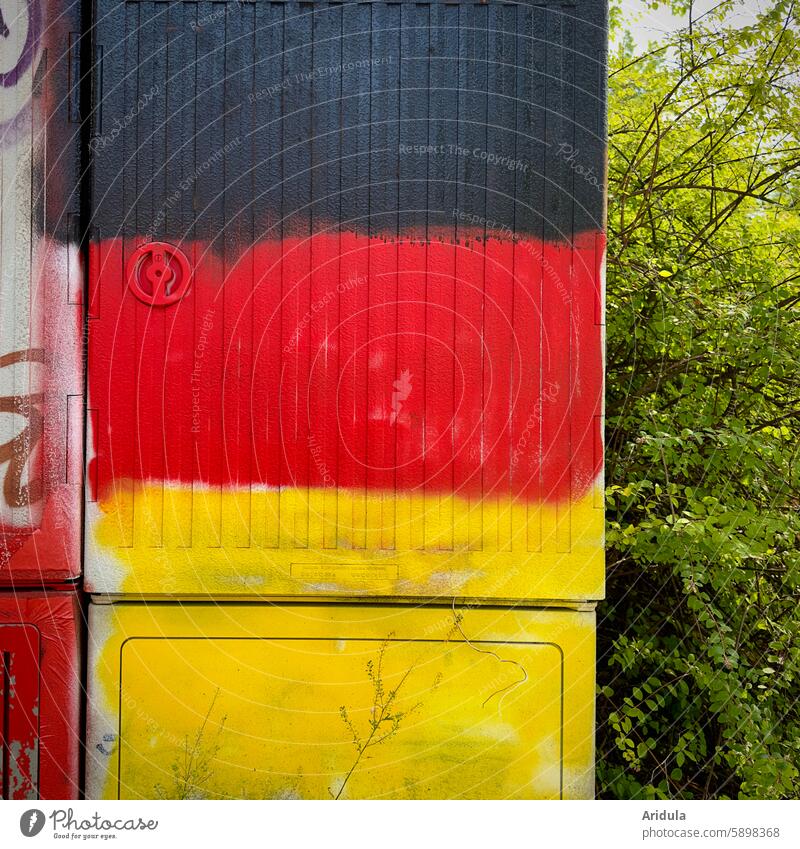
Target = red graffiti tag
(18,450)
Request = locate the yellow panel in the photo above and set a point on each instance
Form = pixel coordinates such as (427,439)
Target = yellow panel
(230,700)
(441,547)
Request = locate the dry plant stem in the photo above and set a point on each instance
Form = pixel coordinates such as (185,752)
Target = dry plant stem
(457,617)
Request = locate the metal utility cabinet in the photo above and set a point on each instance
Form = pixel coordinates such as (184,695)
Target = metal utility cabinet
(41,400)
(345,397)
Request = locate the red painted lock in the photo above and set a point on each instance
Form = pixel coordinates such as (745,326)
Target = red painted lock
(159,274)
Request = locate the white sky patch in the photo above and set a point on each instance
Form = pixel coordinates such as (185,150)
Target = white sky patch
(653,25)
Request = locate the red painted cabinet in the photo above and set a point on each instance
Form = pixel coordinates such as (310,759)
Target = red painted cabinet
(40,689)
(41,386)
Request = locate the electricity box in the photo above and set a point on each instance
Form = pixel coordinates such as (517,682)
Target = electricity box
(40,690)
(345,299)
(345,353)
(339,701)
(41,368)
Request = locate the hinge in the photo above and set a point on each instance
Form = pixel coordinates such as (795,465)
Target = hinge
(97,92)
(74,71)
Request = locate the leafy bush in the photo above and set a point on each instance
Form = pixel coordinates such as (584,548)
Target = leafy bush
(700,635)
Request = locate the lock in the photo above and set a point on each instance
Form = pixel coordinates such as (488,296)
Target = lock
(159,274)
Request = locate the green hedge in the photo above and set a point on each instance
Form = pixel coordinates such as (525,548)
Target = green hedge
(700,634)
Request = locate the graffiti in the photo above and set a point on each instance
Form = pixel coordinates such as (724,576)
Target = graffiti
(20,26)
(19,38)
(19,30)
(17,451)
(40,318)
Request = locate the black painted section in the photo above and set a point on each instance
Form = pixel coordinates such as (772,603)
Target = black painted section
(236,121)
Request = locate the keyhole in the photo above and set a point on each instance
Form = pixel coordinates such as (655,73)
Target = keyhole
(160,273)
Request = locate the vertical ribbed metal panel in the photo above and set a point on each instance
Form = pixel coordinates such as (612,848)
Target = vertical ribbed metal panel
(379,343)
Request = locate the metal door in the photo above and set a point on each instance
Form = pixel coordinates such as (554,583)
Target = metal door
(346,299)
(19,709)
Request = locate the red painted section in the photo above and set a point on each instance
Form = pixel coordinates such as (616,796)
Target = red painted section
(19,706)
(350,361)
(41,322)
(42,546)
(40,696)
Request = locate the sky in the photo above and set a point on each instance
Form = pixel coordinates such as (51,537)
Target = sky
(652,25)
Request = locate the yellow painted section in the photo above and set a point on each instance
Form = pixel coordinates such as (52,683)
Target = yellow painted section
(313,701)
(155,539)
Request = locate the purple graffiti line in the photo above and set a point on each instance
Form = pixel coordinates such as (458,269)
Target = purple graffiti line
(17,451)
(20,33)
(11,77)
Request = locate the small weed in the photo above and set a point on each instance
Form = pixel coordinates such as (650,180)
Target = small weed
(192,773)
(385,720)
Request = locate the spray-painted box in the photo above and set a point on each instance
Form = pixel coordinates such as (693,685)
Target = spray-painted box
(41,367)
(345,305)
(349,701)
(40,691)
